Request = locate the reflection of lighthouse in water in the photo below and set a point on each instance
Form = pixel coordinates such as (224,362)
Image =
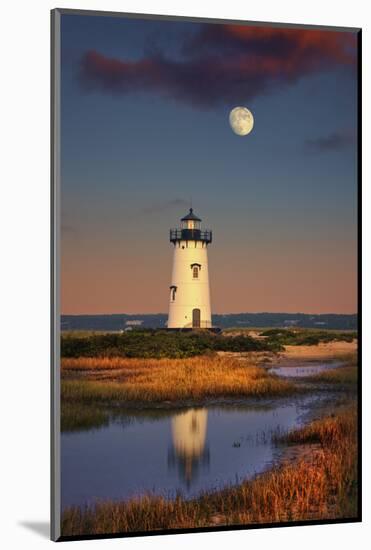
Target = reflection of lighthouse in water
(189,451)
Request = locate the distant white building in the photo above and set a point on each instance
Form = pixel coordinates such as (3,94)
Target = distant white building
(189,304)
(134,323)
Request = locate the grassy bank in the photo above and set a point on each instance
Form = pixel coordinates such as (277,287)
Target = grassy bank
(119,380)
(330,432)
(340,378)
(305,337)
(323,487)
(159,344)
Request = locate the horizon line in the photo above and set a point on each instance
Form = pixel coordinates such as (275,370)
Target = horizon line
(238,313)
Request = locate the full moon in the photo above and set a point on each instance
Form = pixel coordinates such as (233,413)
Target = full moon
(241,121)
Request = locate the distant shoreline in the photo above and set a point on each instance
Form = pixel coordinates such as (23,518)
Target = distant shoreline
(120,321)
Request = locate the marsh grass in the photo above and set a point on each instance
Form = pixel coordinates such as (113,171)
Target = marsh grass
(342,377)
(75,417)
(323,487)
(107,380)
(329,432)
(306,337)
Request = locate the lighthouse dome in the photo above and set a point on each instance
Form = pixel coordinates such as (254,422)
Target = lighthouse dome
(191,216)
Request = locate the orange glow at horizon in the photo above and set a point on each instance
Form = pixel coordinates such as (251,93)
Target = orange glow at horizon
(287,280)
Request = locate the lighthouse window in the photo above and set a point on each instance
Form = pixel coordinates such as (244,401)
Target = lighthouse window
(172,293)
(195,272)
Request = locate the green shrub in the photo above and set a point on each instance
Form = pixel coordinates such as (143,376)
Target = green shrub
(158,344)
(285,337)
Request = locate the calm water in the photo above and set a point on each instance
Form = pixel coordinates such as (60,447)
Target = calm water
(306,369)
(187,451)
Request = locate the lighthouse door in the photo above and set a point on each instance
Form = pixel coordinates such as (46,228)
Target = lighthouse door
(196,318)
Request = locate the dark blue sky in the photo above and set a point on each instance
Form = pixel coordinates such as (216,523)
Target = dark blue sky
(145,108)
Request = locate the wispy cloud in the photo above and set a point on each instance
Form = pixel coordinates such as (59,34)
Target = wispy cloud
(222,64)
(165,206)
(336,141)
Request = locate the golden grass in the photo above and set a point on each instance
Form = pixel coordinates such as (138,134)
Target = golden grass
(329,432)
(341,376)
(153,380)
(324,487)
(346,351)
(106,363)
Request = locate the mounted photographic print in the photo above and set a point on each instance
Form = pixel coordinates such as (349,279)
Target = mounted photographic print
(205,341)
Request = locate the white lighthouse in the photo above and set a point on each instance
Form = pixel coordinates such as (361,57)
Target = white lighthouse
(189,306)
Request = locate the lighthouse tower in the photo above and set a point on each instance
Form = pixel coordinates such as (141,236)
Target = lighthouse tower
(189,306)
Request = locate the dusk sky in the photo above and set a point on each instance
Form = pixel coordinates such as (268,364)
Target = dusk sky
(145,129)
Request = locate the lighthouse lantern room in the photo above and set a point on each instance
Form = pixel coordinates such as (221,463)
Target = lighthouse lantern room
(189,306)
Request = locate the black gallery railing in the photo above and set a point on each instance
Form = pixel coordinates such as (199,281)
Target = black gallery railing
(191,235)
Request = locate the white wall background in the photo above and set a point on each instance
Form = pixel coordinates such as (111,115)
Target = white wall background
(24,273)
